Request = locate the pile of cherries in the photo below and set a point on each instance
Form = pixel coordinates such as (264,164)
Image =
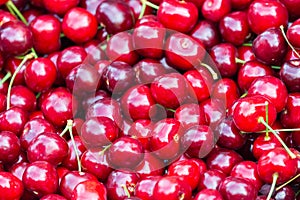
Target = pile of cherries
(150,99)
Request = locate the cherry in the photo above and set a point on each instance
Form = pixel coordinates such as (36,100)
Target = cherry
(97,132)
(290,118)
(23,98)
(18,169)
(234,27)
(53,197)
(71,179)
(245,53)
(150,166)
(80,21)
(263,144)
(141,129)
(106,14)
(15,38)
(208,194)
(11,187)
(289,75)
(292,33)
(286,192)
(13,120)
(233,188)
(40,177)
(145,186)
(46,31)
(172,187)
(2,102)
(215,10)
(272,12)
(9,147)
(210,179)
(6,17)
(206,33)
(292,8)
(31,14)
(165,140)
(95,53)
(240,4)
(183,52)
(137,8)
(121,184)
(99,95)
(96,164)
(91,189)
(214,110)
(42,69)
(250,110)
(271,41)
(11,65)
(59,6)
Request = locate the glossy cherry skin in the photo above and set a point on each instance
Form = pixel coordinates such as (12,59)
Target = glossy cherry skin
(207,33)
(23,97)
(250,71)
(292,7)
(11,65)
(95,53)
(233,188)
(169,90)
(96,164)
(293,33)
(106,14)
(223,55)
(59,7)
(240,4)
(262,145)
(137,102)
(91,189)
(13,120)
(15,38)
(97,132)
(9,147)
(99,95)
(215,10)
(248,110)
(2,102)
(208,194)
(41,178)
(71,179)
(136,7)
(290,76)
(117,181)
(69,58)
(183,52)
(6,16)
(80,21)
(172,187)
(141,129)
(211,179)
(165,140)
(11,187)
(31,14)
(144,188)
(272,12)
(247,170)
(270,41)
(223,159)
(271,88)
(214,110)
(42,69)
(234,27)
(276,161)
(46,31)
(245,53)
(198,141)
(18,169)
(290,118)
(48,147)
(53,197)
(147,70)
(59,106)
(179,16)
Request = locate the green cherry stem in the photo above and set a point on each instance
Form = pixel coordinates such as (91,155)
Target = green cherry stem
(150,4)
(267,137)
(210,69)
(247,44)
(275,177)
(239,61)
(12,8)
(6,77)
(126,190)
(26,58)
(144,5)
(288,42)
(288,182)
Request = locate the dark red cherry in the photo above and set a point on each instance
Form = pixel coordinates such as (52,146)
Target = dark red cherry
(286,192)
(11,187)
(250,110)
(23,98)
(172,187)
(150,166)
(59,7)
(290,76)
(183,52)
(13,120)
(292,7)
(208,194)
(234,27)
(136,7)
(147,70)
(245,53)
(2,102)
(175,15)
(96,164)
(119,183)
(46,31)
(32,13)
(223,55)
(214,110)
(293,33)
(9,147)
(11,65)
(42,69)
(99,95)
(233,188)
(90,189)
(18,169)
(144,187)
(106,14)
(207,33)
(271,41)
(94,51)
(48,147)
(80,21)
(141,129)
(211,179)
(6,16)
(215,10)
(97,132)
(240,4)
(40,177)
(53,197)
(264,14)
(290,117)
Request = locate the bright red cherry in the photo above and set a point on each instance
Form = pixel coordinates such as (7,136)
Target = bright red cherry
(147,70)
(11,188)
(208,194)
(6,16)
(144,188)
(53,197)
(90,189)
(214,110)
(9,147)
(13,120)
(150,166)
(211,179)
(215,10)
(290,118)
(23,97)
(59,7)
(263,144)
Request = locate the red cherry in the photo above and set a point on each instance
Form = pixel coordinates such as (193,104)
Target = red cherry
(292,7)
(145,187)
(208,194)
(95,53)
(214,110)
(177,15)
(215,10)
(6,16)
(23,98)
(211,179)
(246,53)
(141,129)
(290,118)
(136,7)
(11,187)
(18,169)
(240,4)
(59,7)
(147,70)
(90,189)
(80,21)
(13,120)
(53,197)
(11,65)
(293,33)
(150,166)
(263,144)
(9,147)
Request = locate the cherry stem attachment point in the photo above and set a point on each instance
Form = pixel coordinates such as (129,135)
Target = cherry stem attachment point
(291,154)
(288,182)
(288,42)
(272,189)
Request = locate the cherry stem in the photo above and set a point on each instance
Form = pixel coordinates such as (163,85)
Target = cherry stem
(126,190)
(15,11)
(6,77)
(144,5)
(247,44)
(244,95)
(152,5)
(105,148)
(291,154)
(278,130)
(267,137)
(288,42)
(275,177)
(275,67)
(288,182)
(210,69)
(27,57)
(240,61)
